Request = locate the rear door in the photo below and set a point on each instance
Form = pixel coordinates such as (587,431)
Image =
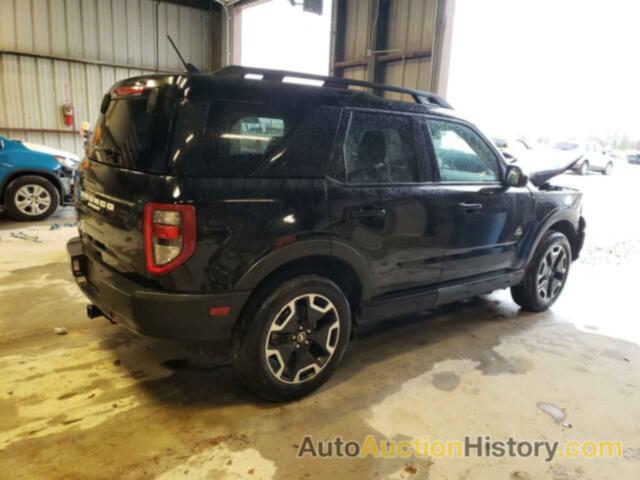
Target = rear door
(482,220)
(379,203)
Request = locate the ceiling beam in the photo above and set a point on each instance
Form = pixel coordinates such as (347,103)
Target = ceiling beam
(199,4)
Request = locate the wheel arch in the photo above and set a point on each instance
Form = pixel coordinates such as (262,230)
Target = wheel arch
(334,260)
(565,227)
(562,221)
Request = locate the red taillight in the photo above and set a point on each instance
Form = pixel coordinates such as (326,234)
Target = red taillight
(166,232)
(219,311)
(127,90)
(169,236)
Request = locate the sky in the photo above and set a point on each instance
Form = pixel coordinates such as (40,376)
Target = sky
(557,68)
(277,35)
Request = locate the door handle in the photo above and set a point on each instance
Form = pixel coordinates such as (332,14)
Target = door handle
(470,207)
(366,212)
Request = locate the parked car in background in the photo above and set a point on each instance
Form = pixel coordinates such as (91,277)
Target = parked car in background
(34,179)
(617,155)
(512,149)
(633,157)
(589,157)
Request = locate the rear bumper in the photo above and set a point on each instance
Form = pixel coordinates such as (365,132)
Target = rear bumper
(155,313)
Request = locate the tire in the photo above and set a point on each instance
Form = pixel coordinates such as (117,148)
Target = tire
(44,196)
(551,276)
(584,168)
(263,348)
(608,169)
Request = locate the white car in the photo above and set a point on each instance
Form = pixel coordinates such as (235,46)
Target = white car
(589,157)
(512,150)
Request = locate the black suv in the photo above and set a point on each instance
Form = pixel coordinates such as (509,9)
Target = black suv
(271,217)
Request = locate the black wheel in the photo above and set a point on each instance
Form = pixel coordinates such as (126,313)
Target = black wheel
(546,275)
(608,169)
(584,168)
(31,198)
(292,337)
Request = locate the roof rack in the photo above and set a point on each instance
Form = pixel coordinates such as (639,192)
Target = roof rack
(236,71)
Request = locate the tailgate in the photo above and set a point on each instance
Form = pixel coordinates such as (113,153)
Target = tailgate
(111,221)
(126,167)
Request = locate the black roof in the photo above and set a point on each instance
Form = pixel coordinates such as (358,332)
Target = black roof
(272,87)
(239,72)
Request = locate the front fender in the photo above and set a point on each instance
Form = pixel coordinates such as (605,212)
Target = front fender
(529,246)
(51,175)
(25,162)
(31,160)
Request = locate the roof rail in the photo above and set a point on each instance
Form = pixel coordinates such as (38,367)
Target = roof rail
(424,98)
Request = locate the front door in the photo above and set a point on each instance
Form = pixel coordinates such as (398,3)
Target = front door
(482,219)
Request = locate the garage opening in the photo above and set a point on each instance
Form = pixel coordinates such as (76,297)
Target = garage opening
(284,35)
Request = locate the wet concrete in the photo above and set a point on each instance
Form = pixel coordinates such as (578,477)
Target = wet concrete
(100,402)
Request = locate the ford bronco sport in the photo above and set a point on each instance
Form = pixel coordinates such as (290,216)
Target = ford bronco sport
(272,217)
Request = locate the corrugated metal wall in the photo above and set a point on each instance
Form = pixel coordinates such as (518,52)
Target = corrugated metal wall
(121,33)
(411,28)
(394,37)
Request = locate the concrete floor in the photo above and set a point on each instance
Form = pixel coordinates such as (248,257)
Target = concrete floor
(101,402)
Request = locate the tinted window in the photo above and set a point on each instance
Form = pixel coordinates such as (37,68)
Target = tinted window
(306,153)
(380,148)
(462,156)
(133,133)
(227,139)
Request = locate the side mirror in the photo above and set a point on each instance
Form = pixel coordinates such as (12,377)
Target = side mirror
(515,177)
(1,144)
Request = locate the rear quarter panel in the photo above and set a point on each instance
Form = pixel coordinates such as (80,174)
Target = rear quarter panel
(240,221)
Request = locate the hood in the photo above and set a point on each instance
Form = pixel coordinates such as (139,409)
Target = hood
(51,151)
(543,166)
(540,177)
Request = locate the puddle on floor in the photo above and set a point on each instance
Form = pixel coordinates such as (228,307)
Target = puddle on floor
(556,413)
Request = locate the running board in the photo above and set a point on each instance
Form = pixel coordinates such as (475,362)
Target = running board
(400,305)
(454,293)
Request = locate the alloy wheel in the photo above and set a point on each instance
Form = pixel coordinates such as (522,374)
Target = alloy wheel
(302,338)
(32,199)
(552,273)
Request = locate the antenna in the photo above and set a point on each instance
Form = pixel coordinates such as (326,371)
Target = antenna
(189,67)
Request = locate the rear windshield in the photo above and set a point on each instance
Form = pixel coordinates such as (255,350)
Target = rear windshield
(228,139)
(133,133)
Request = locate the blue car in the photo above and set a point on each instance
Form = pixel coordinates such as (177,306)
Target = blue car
(34,180)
